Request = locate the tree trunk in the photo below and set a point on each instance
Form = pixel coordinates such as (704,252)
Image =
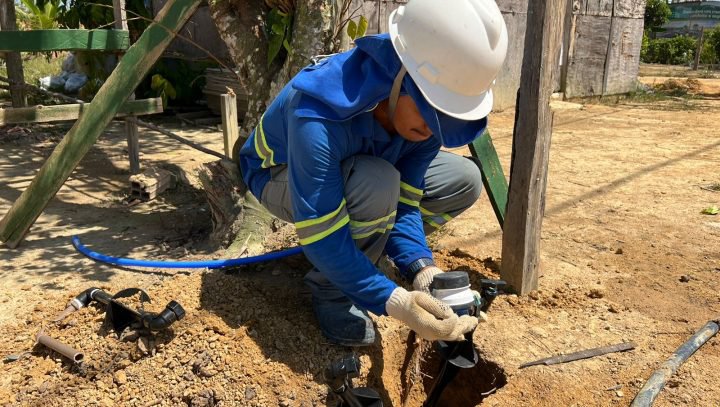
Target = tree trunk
(237,216)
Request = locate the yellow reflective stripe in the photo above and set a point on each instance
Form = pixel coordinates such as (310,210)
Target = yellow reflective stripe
(432,223)
(411,188)
(409,202)
(442,215)
(358,224)
(310,222)
(257,146)
(378,230)
(264,142)
(426,212)
(314,238)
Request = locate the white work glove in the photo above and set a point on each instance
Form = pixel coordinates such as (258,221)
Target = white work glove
(430,318)
(424,278)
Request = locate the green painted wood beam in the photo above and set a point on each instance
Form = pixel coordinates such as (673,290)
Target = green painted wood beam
(483,151)
(136,63)
(73,111)
(64,40)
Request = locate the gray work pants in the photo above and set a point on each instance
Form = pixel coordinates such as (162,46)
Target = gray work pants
(372,189)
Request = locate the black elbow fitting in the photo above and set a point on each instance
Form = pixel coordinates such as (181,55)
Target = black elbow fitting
(172,312)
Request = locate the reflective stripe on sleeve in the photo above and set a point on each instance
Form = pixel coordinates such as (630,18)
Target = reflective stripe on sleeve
(261,146)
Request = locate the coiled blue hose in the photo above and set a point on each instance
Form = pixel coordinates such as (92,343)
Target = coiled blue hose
(211,264)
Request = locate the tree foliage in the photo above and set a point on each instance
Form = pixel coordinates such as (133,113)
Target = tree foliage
(713,43)
(657,13)
(671,51)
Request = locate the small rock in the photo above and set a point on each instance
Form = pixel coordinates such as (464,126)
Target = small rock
(120,377)
(206,372)
(250,393)
(596,293)
(619,251)
(685,278)
(612,309)
(535,295)
(619,393)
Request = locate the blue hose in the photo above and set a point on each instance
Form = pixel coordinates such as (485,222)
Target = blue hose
(211,264)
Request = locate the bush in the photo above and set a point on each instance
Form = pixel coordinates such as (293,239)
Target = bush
(708,56)
(679,50)
(712,44)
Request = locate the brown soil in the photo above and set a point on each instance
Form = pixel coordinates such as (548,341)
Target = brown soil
(626,256)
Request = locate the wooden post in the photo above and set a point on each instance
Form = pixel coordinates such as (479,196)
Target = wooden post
(699,49)
(136,63)
(13,60)
(531,146)
(131,126)
(231,131)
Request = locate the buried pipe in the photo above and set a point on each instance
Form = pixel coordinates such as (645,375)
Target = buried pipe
(69,352)
(655,384)
(453,288)
(210,264)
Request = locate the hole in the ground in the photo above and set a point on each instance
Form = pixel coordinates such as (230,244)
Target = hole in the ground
(470,387)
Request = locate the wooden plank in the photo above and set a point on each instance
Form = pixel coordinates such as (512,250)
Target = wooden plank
(64,40)
(630,8)
(531,147)
(136,63)
(623,55)
(514,7)
(13,61)
(231,130)
(44,114)
(131,127)
(493,177)
(603,8)
(587,55)
(202,30)
(508,80)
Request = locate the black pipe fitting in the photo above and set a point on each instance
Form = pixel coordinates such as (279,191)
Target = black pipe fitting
(156,322)
(121,316)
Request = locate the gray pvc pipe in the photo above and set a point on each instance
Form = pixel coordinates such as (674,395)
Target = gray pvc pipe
(649,392)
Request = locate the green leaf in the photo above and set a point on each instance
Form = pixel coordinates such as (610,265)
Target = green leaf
(286,45)
(352,29)
(274,46)
(278,29)
(362,27)
(712,210)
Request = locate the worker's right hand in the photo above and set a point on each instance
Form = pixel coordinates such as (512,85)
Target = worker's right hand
(430,318)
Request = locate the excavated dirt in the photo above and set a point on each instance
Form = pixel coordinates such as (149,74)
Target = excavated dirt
(627,256)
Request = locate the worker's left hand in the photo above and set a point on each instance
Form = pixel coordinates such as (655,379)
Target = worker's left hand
(424,278)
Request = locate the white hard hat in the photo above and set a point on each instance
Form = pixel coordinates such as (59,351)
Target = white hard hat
(453,50)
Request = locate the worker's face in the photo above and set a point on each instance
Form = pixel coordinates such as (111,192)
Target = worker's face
(408,121)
